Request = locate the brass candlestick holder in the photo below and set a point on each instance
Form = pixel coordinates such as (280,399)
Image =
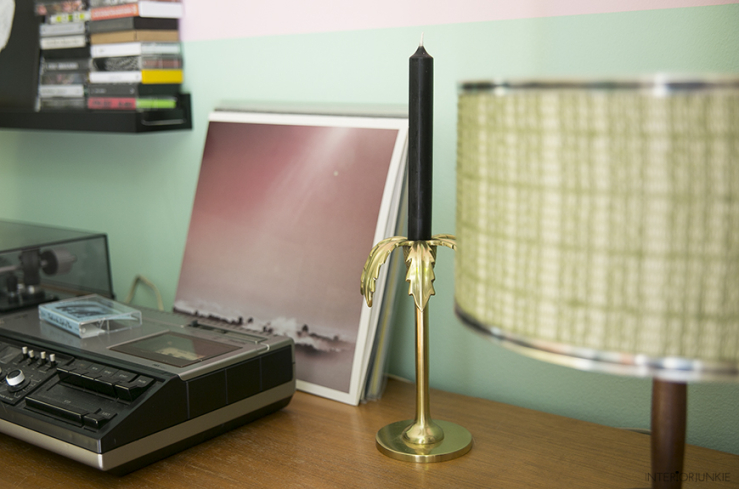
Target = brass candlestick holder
(422,439)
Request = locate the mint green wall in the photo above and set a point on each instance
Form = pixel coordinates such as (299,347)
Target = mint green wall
(139,189)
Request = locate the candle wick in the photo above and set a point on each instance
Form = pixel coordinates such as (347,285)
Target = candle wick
(420,45)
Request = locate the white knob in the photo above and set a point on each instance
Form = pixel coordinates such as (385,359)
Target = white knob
(15,378)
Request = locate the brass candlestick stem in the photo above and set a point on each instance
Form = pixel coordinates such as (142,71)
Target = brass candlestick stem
(421,439)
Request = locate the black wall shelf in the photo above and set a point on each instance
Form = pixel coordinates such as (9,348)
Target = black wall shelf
(101,120)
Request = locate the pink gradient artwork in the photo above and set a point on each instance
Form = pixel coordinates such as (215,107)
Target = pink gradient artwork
(283,220)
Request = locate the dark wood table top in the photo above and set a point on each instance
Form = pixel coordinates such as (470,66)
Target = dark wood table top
(316,442)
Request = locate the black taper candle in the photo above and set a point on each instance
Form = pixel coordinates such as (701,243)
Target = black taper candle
(420,143)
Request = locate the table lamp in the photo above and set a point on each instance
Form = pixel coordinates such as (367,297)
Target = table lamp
(598,228)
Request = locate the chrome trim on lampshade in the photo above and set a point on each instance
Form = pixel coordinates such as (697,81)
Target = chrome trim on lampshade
(668,368)
(656,84)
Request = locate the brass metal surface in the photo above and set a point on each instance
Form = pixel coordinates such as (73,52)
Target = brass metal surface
(419,263)
(422,439)
(391,441)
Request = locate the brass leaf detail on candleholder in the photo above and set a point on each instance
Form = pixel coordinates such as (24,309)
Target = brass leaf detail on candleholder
(447,240)
(419,263)
(376,258)
(419,260)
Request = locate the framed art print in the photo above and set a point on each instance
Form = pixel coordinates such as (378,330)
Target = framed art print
(286,211)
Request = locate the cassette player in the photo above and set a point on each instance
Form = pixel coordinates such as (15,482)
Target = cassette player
(123,399)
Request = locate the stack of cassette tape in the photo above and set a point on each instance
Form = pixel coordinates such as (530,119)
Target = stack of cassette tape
(136,54)
(65,53)
(110,54)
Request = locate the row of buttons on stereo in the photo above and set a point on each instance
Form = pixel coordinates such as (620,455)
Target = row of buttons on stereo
(41,360)
(25,371)
(73,414)
(122,384)
(16,379)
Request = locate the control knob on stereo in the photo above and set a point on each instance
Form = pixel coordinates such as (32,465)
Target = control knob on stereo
(15,378)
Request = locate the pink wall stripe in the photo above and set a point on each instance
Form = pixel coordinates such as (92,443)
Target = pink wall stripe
(221,19)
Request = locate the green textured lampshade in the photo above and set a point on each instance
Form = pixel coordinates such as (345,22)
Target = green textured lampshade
(598,222)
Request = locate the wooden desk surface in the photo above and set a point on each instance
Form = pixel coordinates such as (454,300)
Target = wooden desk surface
(316,443)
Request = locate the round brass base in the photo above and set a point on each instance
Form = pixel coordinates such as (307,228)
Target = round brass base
(457,441)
